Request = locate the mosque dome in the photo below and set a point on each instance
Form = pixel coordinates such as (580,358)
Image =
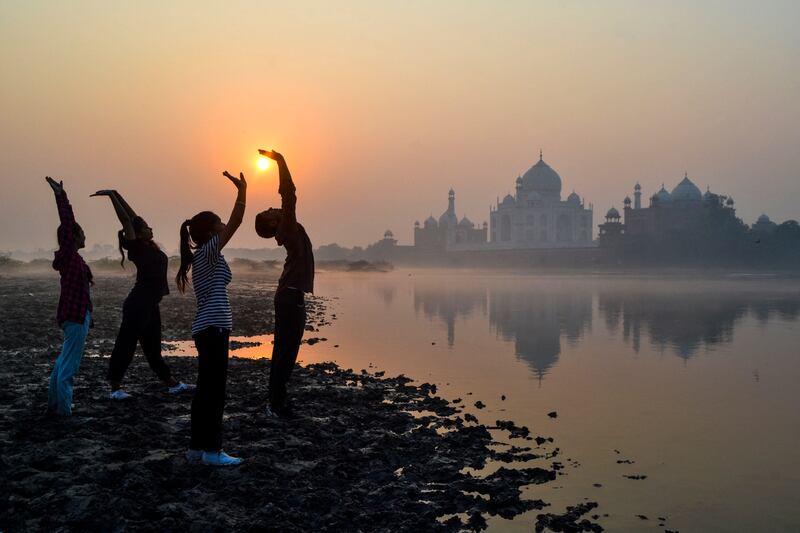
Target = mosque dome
(627,200)
(662,196)
(573,199)
(448,218)
(612,213)
(542,179)
(763,219)
(430,222)
(508,200)
(466,223)
(686,191)
(388,234)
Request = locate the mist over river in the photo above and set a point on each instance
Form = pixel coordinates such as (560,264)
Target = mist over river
(688,380)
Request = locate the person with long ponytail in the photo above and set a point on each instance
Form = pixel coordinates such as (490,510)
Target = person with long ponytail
(141,315)
(202,239)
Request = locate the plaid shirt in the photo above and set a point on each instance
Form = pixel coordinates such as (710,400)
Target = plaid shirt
(76,276)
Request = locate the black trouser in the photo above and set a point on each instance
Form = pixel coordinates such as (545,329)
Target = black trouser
(141,322)
(209,397)
(290,322)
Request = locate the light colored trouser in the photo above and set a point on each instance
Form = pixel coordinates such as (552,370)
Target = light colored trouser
(59,394)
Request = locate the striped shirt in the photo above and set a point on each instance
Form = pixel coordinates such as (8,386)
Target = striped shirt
(210,278)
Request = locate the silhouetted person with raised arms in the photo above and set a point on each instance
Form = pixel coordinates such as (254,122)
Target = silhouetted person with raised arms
(296,280)
(141,315)
(212,324)
(74,303)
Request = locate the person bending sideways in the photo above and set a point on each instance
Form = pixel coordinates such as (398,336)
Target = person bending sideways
(296,280)
(202,239)
(74,303)
(141,315)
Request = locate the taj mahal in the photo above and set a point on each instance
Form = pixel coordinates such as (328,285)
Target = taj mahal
(536,226)
(534,217)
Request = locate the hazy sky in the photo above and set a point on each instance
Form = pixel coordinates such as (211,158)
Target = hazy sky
(381,107)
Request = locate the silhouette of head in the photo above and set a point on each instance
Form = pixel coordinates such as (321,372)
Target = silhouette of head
(77,233)
(142,230)
(267,223)
(200,228)
(143,233)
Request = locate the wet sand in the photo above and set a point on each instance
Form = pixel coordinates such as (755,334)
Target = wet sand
(364,452)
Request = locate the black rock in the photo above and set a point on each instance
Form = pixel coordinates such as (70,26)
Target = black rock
(569,521)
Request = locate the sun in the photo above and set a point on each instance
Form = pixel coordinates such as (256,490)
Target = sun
(262,163)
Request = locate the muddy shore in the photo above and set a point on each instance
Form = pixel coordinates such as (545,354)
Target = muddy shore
(364,452)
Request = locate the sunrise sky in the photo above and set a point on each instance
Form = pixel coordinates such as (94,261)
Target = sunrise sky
(381,107)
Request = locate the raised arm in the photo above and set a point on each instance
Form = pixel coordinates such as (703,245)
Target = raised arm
(65,214)
(128,209)
(123,211)
(286,187)
(235,220)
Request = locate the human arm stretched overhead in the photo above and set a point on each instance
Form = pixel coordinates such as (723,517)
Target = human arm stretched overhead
(237,214)
(124,212)
(286,188)
(66,216)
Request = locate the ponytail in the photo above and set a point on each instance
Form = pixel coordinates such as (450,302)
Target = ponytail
(195,232)
(186,257)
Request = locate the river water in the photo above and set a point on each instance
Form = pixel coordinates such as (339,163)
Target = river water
(694,379)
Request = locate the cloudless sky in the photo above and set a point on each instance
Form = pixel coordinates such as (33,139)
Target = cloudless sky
(381,107)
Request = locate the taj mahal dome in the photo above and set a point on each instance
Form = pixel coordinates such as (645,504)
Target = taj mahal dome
(537,217)
(534,217)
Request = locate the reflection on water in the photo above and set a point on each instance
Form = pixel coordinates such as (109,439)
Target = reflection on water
(684,322)
(536,318)
(448,304)
(692,379)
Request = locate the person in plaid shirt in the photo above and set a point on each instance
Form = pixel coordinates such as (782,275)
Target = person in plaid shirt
(74,313)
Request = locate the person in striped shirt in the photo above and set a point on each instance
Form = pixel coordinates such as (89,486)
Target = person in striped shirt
(202,239)
(74,313)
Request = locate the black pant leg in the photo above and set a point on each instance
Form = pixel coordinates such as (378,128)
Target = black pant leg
(208,403)
(290,322)
(125,345)
(150,339)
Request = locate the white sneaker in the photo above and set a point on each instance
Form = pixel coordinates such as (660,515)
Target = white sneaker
(194,456)
(119,394)
(181,387)
(219,458)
